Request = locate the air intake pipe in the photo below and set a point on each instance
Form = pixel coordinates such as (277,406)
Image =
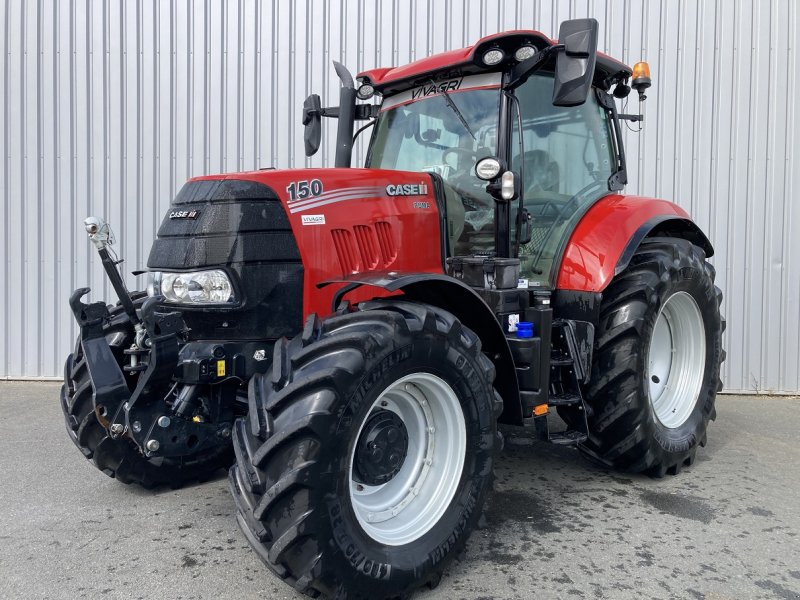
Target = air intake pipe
(347,109)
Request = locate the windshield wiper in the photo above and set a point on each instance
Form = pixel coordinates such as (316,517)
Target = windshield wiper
(453,106)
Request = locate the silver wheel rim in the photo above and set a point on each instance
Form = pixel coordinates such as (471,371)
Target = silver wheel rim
(676,361)
(406,507)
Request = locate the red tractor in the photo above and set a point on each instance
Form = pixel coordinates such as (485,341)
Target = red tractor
(349,338)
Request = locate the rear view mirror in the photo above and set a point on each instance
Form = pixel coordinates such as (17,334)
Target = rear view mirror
(575,64)
(312,119)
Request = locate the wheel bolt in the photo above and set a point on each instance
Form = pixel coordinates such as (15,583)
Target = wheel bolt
(152,445)
(117,429)
(136,426)
(163,421)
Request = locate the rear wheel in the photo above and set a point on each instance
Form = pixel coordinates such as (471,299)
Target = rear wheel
(366,457)
(655,373)
(120,457)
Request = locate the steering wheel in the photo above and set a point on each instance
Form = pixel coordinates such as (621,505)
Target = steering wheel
(469,187)
(469,155)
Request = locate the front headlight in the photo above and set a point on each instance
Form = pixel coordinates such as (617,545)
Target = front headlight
(196,287)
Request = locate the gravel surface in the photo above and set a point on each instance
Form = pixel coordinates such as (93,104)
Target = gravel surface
(558,526)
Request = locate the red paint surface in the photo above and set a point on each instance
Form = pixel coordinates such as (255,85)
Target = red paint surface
(455,58)
(414,230)
(600,237)
(589,261)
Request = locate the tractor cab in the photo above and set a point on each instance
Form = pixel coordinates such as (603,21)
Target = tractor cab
(520,131)
(562,158)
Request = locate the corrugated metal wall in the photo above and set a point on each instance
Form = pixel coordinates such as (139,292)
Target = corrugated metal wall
(107,107)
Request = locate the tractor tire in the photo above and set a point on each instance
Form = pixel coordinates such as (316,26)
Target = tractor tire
(656,365)
(121,458)
(338,485)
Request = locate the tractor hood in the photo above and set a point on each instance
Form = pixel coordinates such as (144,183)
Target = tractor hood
(313,224)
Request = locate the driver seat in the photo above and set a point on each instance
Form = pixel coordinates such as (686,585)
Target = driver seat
(542,173)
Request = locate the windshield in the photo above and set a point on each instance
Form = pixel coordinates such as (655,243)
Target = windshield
(445,128)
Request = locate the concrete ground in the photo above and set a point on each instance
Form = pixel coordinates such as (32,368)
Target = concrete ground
(559,527)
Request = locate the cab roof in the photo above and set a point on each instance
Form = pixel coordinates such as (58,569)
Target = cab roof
(466,61)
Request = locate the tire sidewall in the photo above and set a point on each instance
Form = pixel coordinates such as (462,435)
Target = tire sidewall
(370,563)
(695,281)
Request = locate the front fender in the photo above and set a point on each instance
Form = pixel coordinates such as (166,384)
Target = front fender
(602,244)
(462,301)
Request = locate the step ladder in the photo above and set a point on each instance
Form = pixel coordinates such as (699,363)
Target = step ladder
(565,394)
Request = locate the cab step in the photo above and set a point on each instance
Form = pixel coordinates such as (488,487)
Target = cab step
(562,361)
(568,438)
(565,399)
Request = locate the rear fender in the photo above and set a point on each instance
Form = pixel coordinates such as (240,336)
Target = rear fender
(605,239)
(460,300)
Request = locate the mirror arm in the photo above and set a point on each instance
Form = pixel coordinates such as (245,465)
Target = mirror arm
(619,177)
(366,111)
(522,71)
(332,112)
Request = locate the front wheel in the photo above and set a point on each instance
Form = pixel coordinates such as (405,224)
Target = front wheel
(655,373)
(366,457)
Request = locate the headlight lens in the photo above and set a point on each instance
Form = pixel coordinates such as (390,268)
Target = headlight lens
(525,52)
(493,57)
(365,91)
(197,287)
(488,168)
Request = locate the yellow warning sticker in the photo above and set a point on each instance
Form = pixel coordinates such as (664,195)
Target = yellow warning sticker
(220,368)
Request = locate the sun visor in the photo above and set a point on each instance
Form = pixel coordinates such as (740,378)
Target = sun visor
(451,86)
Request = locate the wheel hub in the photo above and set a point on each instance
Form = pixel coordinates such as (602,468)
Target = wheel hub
(426,427)
(381,448)
(676,360)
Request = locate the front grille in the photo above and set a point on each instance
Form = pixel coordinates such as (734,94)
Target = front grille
(239,226)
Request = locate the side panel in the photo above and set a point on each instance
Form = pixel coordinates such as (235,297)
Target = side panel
(351,221)
(601,237)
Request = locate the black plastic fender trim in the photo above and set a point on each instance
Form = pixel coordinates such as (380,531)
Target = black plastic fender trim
(462,301)
(666,225)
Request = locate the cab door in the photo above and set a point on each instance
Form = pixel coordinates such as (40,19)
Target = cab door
(564,159)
